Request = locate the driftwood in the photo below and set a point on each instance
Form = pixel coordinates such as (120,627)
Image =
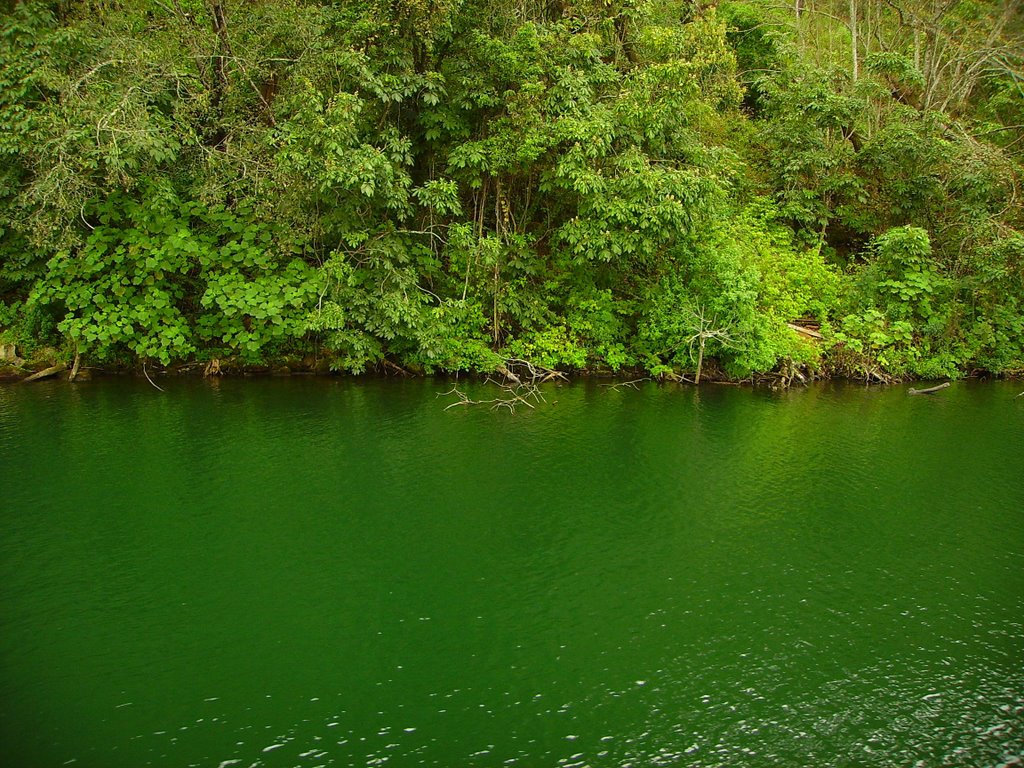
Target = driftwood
(928,391)
(53,370)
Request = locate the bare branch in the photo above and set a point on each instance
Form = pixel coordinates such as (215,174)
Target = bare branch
(146,374)
(514,396)
(632,384)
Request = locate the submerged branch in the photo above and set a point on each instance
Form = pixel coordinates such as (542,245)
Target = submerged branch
(928,391)
(513,396)
(632,384)
(521,386)
(146,374)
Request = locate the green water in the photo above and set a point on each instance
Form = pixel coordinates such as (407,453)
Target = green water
(320,572)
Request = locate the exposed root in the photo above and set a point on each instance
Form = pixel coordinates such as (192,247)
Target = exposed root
(874,375)
(788,373)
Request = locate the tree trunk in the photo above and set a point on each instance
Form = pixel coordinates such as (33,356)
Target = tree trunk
(853,38)
(625,42)
(219,86)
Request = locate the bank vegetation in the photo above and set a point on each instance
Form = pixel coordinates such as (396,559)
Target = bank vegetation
(679,188)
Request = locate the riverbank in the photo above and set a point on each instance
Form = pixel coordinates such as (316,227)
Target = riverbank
(47,363)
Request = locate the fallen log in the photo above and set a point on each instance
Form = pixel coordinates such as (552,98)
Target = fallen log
(53,370)
(928,391)
(805,331)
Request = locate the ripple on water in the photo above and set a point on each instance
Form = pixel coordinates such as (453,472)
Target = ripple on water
(663,577)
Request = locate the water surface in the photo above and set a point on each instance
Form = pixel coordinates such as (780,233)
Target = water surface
(315,572)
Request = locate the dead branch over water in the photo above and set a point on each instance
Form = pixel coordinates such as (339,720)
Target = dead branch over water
(521,386)
(632,384)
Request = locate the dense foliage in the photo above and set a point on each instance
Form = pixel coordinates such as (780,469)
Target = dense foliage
(586,184)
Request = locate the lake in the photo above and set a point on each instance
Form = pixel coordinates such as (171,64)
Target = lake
(338,572)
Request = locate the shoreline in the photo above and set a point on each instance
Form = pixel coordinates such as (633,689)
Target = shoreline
(48,369)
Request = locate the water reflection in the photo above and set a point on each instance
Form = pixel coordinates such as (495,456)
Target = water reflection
(326,572)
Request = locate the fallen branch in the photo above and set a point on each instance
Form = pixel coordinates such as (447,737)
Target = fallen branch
(53,370)
(928,391)
(146,374)
(529,373)
(508,374)
(633,384)
(396,368)
(677,378)
(514,397)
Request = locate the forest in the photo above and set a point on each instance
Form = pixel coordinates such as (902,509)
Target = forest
(674,187)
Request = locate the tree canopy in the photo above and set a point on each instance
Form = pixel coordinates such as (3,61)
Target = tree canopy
(586,184)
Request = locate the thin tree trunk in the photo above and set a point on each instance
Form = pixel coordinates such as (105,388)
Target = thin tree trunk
(219,86)
(497,317)
(853,38)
